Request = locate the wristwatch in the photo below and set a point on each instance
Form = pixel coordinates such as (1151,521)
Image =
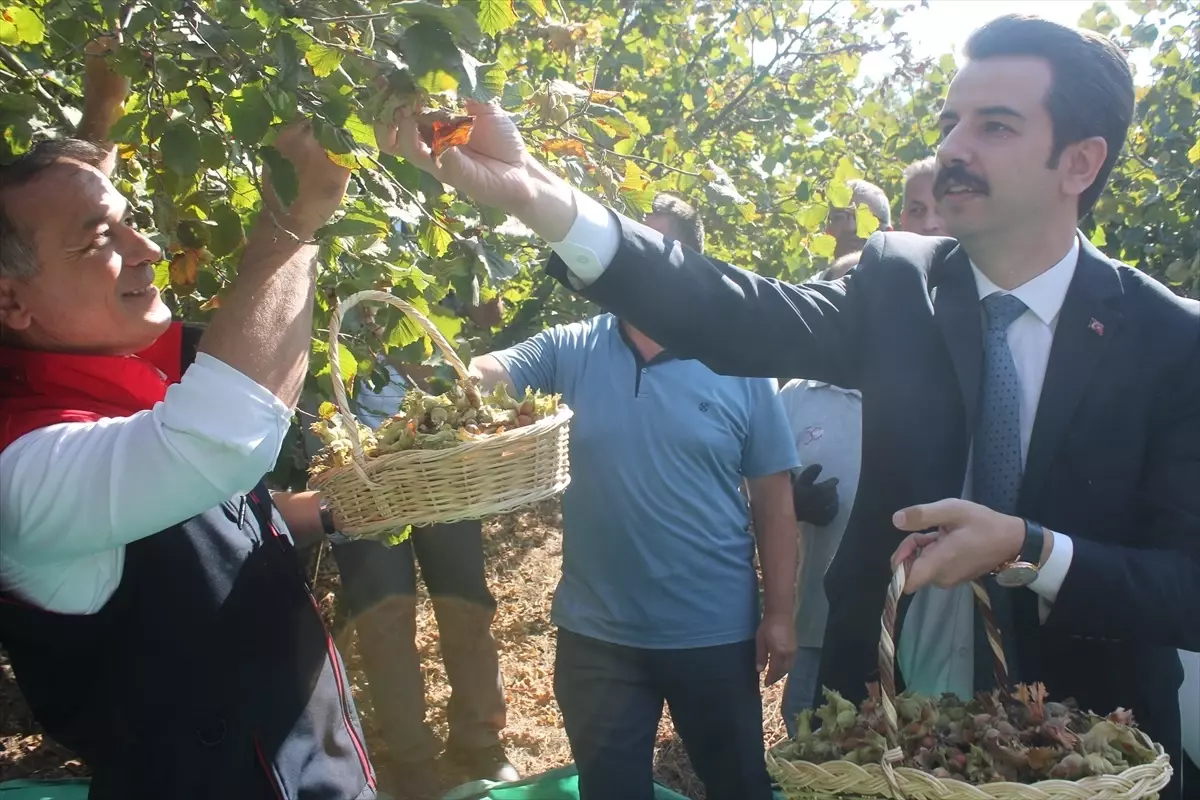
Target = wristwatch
(1023,570)
(327,517)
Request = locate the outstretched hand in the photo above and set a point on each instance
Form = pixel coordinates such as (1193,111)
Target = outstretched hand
(492,168)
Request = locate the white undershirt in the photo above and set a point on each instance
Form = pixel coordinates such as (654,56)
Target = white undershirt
(934,656)
(73,495)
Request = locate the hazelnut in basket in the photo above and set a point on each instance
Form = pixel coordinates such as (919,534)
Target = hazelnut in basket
(430,422)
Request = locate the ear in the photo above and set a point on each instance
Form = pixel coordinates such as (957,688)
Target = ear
(14,313)
(1081,163)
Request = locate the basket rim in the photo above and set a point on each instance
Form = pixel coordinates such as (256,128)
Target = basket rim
(1161,762)
(379,464)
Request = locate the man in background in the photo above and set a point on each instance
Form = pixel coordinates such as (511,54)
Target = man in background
(826,421)
(918,209)
(843,222)
(379,586)
(658,599)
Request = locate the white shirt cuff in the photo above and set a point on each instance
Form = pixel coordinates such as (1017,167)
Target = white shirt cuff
(1052,574)
(591,243)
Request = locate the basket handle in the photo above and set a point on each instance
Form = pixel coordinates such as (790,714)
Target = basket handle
(887,647)
(358,457)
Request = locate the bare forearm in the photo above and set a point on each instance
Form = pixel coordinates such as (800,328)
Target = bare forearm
(491,374)
(777,539)
(264,327)
(301,511)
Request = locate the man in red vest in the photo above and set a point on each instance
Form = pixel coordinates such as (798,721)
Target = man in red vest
(150,598)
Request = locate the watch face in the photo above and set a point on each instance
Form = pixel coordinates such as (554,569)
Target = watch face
(1017,575)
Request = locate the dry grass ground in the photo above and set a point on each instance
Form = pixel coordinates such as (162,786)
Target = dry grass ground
(524,556)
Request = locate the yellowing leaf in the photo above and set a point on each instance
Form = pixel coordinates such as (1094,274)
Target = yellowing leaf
(323,60)
(29,26)
(635,179)
(326,410)
(846,171)
(865,222)
(1194,154)
(812,217)
(602,96)
(567,147)
(625,146)
(184,267)
(496,15)
(538,7)
(1098,237)
(748,211)
(823,245)
(840,195)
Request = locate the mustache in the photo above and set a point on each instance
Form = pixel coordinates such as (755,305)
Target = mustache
(956,175)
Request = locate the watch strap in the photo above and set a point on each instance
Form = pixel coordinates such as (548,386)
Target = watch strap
(1035,539)
(327,518)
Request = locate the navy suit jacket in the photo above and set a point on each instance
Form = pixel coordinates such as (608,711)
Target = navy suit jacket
(1114,460)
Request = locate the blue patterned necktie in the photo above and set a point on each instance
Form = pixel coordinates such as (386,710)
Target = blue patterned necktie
(997,464)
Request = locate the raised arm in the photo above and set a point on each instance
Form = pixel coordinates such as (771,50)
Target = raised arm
(731,320)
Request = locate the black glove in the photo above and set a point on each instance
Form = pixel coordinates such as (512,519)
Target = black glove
(814,502)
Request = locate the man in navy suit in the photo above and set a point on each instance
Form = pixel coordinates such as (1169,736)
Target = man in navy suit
(1018,367)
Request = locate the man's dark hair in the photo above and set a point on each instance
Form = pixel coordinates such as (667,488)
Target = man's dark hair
(687,219)
(1091,88)
(18,258)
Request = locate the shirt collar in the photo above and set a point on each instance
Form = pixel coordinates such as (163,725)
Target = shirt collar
(1043,295)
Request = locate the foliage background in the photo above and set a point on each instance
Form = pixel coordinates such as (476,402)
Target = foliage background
(752,109)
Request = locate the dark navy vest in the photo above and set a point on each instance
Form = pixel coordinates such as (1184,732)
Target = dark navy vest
(209,674)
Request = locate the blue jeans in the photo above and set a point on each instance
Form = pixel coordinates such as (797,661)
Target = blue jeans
(801,686)
(611,699)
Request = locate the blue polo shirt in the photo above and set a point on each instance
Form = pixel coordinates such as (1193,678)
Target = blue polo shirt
(657,549)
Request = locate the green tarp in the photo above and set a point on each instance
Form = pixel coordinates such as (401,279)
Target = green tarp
(559,784)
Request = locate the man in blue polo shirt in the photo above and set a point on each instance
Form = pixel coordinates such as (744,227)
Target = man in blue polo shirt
(658,598)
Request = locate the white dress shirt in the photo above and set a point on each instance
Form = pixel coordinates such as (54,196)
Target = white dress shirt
(936,645)
(73,495)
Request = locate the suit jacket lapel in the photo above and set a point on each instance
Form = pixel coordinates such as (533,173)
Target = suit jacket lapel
(1088,322)
(956,309)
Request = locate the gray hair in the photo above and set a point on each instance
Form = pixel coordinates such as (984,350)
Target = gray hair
(874,198)
(687,220)
(18,253)
(918,169)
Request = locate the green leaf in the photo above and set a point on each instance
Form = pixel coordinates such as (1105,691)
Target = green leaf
(348,364)
(30,29)
(228,235)
(459,22)
(323,60)
(812,217)
(362,133)
(429,49)
(249,115)
(8,32)
(356,225)
(1098,237)
(128,129)
(496,16)
(162,274)
(490,80)
(840,195)
(865,222)
(823,245)
(434,240)
(538,7)
(1193,155)
(625,146)
(282,176)
(181,148)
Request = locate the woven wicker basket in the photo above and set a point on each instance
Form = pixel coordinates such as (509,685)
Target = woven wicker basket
(803,780)
(377,497)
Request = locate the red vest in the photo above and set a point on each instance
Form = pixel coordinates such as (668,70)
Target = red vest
(40,388)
